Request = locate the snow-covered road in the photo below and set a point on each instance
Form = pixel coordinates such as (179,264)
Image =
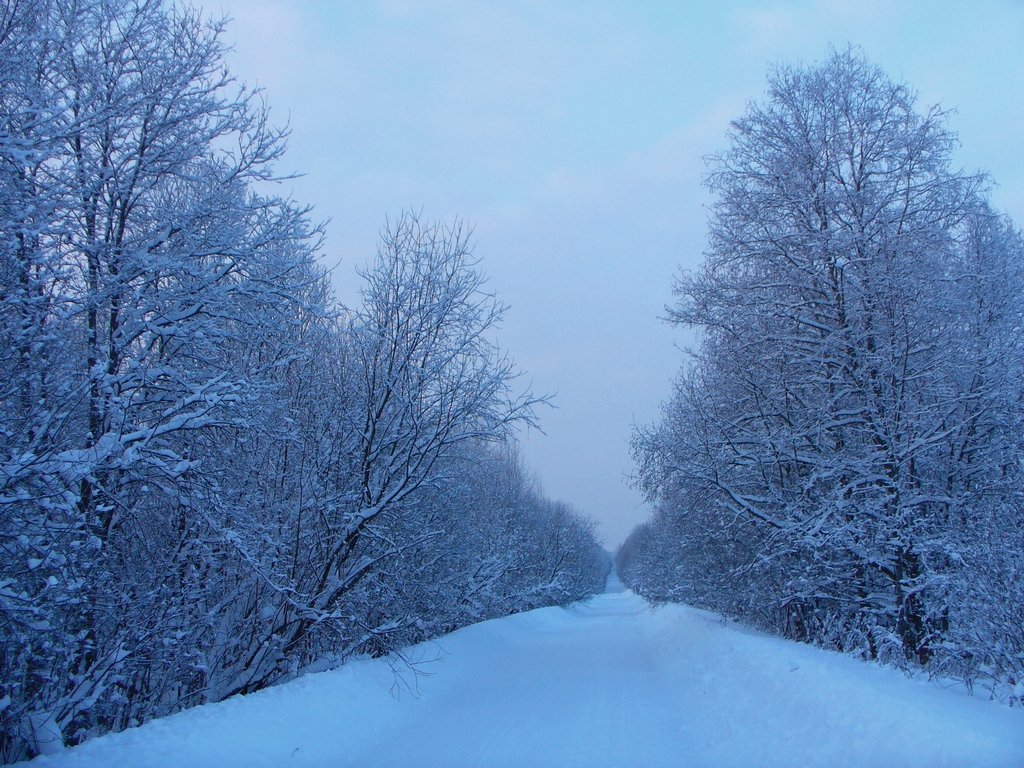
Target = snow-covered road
(611,682)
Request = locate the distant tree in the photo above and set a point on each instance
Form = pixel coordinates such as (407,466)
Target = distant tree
(489,544)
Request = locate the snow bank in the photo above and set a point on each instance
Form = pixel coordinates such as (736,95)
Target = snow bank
(611,682)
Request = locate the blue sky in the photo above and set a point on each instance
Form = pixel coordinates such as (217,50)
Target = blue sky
(572,136)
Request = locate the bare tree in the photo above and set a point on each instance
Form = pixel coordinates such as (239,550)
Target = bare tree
(424,378)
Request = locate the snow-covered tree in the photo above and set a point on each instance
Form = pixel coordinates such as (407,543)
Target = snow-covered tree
(212,475)
(139,265)
(853,412)
(486,543)
(420,377)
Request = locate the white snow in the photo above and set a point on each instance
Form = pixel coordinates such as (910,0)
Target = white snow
(611,682)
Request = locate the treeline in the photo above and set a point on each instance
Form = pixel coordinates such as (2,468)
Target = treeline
(211,475)
(840,461)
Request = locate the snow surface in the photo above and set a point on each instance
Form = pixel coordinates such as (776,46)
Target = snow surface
(610,682)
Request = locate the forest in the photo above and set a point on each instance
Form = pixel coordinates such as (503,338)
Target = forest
(214,476)
(840,460)
(217,477)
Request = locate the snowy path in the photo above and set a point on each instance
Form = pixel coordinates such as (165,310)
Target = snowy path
(608,683)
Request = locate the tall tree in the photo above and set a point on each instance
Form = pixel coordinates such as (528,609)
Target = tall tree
(141,265)
(211,475)
(422,379)
(833,405)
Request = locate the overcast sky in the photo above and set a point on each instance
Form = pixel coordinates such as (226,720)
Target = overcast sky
(571,135)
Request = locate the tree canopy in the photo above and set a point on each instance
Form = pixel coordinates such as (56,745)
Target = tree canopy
(845,444)
(212,475)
